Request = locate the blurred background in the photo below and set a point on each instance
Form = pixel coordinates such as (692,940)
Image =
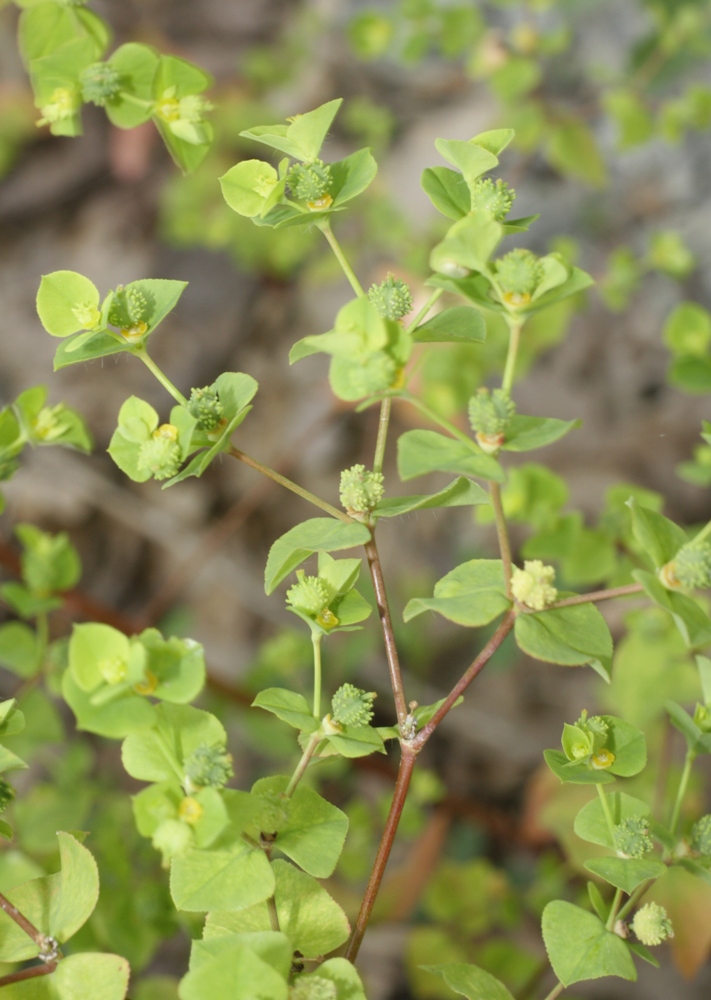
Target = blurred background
(611,102)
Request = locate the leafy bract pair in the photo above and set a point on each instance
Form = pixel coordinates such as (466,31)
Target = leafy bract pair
(64,44)
(302,192)
(111,677)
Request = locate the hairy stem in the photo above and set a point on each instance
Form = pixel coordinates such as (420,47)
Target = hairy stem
(407,764)
(381,597)
(287,484)
(681,791)
(502,534)
(438,292)
(142,353)
(606,810)
(614,908)
(383,423)
(325,228)
(306,756)
(600,595)
(436,419)
(467,677)
(316,642)
(514,339)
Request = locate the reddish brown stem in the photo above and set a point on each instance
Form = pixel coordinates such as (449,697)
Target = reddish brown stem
(407,763)
(381,597)
(23,923)
(466,679)
(599,595)
(32,973)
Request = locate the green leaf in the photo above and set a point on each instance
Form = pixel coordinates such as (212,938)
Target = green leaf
(580,948)
(177,664)
(458,325)
(577,774)
(58,905)
(19,650)
(696,739)
(25,603)
(100,976)
(659,537)
(347,981)
(571,636)
(448,191)
(157,754)
(461,493)
(420,452)
(468,244)
(703,664)
(224,878)
(313,832)
(236,972)
(313,922)
(136,65)
(288,706)
(114,719)
(301,139)
(90,646)
(351,176)
(573,150)
(598,903)
(470,981)
(495,140)
(687,331)
(528,433)
(320,534)
(473,594)
(691,620)
(64,300)
(248,185)
(591,823)
(87,347)
(357,741)
(626,873)
(473,160)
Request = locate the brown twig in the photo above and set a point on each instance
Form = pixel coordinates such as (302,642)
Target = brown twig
(43,942)
(381,597)
(467,677)
(599,595)
(502,534)
(407,764)
(32,973)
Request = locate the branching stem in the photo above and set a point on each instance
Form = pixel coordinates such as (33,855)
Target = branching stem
(142,353)
(600,595)
(413,324)
(502,534)
(44,943)
(306,756)
(407,763)
(32,973)
(381,597)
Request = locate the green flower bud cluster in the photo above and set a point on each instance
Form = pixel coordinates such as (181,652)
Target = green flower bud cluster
(99,83)
(310,182)
(48,425)
(490,414)
(313,988)
(518,273)
(361,490)
(7,794)
(351,706)
(651,925)
(692,566)
(493,197)
(205,406)
(160,454)
(392,298)
(631,837)
(311,595)
(185,116)
(208,767)
(130,308)
(62,105)
(585,742)
(88,315)
(701,836)
(533,585)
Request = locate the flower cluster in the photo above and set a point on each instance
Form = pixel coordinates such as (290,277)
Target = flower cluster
(490,414)
(208,767)
(361,490)
(495,197)
(651,925)
(631,837)
(351,706)
(392,298)
(518,273)
(533,585)
(311,596)
(205,406)
(310,182)
(99,83)
(160,455)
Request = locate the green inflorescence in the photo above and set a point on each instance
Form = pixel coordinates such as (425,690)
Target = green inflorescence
(631,837)
(129,307)
(361,490)
(208,767)
(652,925)
(160,455)
(493,197)
(205,406)
(518,273)
(490,412)
(313,988)
(351,706)
(533,585)
(99,83)
(7,794)
(392,298)
(701,835)
(63,104)
(692,566)
(309,181)
(311,595)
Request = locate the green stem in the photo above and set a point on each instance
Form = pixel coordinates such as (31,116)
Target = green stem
(555,992)
(273,915)
(316,641)
(132,99)
(634,898)
(142,353)
(613,910)
(306,756)
(289,485)
(325,228)
(502,533)
(702,534)
(42,637)
(510,368)
(436,419)
(438,292)
(683,785)
(385,407)
(600,595)
(606,810)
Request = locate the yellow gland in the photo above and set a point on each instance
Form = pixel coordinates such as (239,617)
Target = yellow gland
(113,670)
(147,685)
(667,576)
(325,201)
(62,105)
(326,619)
(490,443)
(134,333)
(88,315)
(533,585)
(579,750)
(190,810)
(169,432)
(603,759)
(517,299)
(168,107)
